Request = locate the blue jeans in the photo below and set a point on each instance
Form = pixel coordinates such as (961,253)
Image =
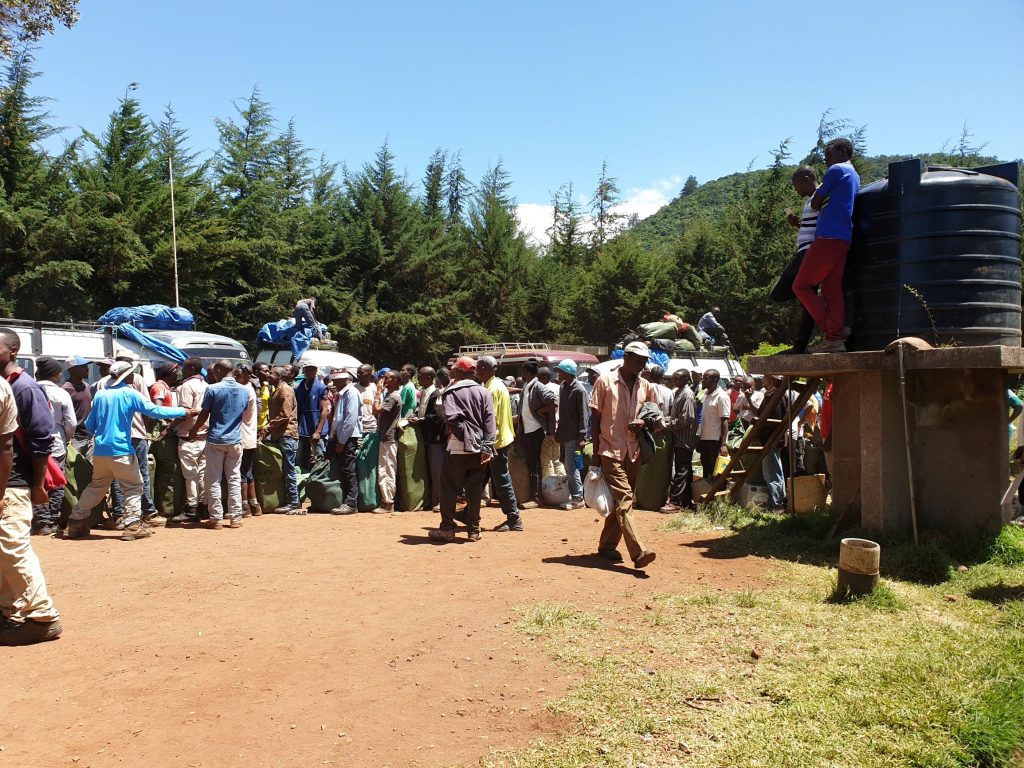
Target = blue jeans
(569,448)
(117,497)
(501,482)
(289,447)
(772,469)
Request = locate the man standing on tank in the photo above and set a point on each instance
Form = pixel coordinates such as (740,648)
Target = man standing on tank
(825,260)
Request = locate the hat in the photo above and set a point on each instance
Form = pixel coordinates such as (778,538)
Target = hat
(105,361)
(119,371)
(303,364)
(637,348)
(488,361)
(341,374)
(382,373)
(46,367)
(74,361)
(510,381)
(568,366)
(125,356)
(465,364)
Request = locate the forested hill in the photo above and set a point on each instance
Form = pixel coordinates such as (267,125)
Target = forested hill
(712,198)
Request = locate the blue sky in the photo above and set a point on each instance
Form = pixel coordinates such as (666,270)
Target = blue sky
(660,89)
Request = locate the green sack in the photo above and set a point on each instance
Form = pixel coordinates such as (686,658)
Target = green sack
(520,472)
(323,489)
(166,480)
(268,471)
(366,471)
(78,471)
(413,477)
(652,482)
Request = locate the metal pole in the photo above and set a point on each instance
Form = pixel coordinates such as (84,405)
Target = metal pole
(906,441)
(174,233)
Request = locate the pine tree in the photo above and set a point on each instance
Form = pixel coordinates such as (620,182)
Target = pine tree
(566,235)
(607,222)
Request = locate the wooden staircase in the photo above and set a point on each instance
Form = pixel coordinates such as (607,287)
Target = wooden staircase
(739,474)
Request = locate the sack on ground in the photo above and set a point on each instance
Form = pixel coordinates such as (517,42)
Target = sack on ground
(323,490)
(366,471)
(268,470)
(78,471)
(596,493)
(654,477)
(413,475)
(555,490)
(168,483)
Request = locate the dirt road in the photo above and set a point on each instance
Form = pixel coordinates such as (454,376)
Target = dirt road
(313,641)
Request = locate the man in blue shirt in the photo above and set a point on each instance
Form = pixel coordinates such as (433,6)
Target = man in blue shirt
(312,408)
(346,430)
(224,404)
(825,260)
(113,457)
(710,329)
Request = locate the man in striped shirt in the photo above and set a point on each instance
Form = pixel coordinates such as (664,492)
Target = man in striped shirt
(805,182)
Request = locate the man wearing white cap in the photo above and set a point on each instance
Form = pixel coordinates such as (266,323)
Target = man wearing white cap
(345,433)
(114,458)
(614,410)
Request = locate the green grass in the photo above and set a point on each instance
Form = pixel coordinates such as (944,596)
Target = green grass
(927,671)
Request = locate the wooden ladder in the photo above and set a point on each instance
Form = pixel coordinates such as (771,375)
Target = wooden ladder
(739,474)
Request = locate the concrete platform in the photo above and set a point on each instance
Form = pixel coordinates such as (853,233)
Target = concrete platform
(958,424)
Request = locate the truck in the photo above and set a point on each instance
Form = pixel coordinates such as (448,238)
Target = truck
(96,342)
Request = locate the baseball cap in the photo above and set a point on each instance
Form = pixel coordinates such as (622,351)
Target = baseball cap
(637,348)
(119,371)
(465,364)
(165,369)
(568,366)
(105,361)
(382,373)
(74,361)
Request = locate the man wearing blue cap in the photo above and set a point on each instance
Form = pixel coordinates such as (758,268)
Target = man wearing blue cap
(571,433)
(77,387)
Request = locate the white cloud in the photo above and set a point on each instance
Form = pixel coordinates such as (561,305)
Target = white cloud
(535,218)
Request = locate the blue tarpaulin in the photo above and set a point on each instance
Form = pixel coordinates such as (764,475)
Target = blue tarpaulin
(153,317)
(130,332)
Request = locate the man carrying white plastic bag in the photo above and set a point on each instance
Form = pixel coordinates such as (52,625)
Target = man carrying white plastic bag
(615,408)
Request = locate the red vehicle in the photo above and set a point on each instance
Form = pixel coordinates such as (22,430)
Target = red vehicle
(511,355)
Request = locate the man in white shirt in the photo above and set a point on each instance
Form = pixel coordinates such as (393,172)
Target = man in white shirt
(714,423)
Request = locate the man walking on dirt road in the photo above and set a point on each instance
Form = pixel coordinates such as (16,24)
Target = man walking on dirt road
(614,410)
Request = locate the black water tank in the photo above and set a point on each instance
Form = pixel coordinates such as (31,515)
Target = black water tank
(936,254)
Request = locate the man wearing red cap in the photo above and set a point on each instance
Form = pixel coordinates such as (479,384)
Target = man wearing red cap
(469,415)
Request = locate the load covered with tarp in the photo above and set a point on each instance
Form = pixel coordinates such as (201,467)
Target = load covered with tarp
(151,317)
(284,333)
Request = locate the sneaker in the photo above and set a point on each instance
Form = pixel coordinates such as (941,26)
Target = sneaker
(383,510)
(246,510)
(473,536)
(441,534)
(30,632)
(136,531)
(670,509)
(344,509)
(645,559)
(511,524)
(611,555)
(235,522)
(77,529)
(45,530)
(296,511)
(530,505)
(213,525)
(255,509)
(827,347)
(149,517)
(114,523)
(578,503)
